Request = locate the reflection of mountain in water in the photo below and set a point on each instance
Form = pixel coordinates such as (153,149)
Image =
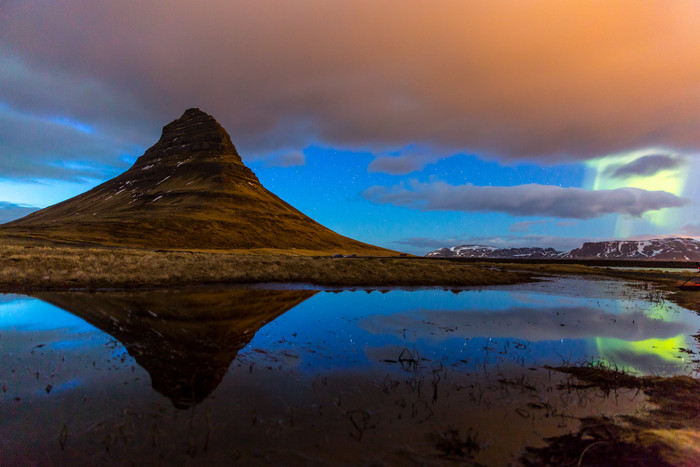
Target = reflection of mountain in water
(186,340)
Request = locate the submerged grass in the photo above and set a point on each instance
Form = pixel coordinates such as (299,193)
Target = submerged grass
(669,434)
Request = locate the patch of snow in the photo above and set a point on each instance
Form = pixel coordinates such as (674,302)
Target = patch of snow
(156,199)
(163,180)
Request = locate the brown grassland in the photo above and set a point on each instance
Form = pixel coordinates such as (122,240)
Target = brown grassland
(27,268)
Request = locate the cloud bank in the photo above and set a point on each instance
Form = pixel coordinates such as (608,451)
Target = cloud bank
(557,81)
(12,211)
(426,244)
(524,200)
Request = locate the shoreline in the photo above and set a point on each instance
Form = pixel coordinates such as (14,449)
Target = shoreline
(31,267)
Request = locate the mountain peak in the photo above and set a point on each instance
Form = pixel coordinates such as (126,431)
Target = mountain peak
(194,134)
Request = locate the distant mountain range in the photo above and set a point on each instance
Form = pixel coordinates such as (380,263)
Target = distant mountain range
(667,249)
(190,190)
(483,251)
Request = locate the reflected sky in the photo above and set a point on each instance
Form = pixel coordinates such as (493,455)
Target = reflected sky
(22,313)
(551,323)
(565,321)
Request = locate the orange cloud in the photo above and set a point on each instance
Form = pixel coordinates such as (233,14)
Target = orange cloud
(541,79)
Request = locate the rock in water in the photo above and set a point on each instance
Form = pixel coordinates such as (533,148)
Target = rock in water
(190,190)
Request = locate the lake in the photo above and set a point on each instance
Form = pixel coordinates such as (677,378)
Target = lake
(298,375)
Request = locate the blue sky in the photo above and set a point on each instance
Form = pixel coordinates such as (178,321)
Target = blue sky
(402,124)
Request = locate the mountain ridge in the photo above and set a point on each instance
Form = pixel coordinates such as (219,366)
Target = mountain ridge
(486,251)
(662,249)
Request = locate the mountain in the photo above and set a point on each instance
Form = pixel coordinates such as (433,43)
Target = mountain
(669,249)
(666,249)
(186,355)
(190,190)
(484,251)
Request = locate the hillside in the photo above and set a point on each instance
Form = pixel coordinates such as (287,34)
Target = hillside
(190,190)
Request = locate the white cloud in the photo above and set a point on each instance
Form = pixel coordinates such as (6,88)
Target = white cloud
(523,200)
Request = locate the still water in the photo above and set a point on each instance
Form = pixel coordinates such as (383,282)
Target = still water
(299,376)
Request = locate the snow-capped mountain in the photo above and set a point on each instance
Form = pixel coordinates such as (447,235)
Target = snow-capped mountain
(668,249)
(484,251)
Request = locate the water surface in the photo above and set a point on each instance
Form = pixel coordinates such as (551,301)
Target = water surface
(296,375)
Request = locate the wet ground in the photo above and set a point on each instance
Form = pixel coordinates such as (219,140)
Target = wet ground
(294,375)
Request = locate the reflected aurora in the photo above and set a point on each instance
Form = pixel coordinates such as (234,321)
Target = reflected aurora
(612,351)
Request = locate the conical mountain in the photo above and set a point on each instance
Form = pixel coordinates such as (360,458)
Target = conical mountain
(189,191)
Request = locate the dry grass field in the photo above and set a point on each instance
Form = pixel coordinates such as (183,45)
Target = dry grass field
(36,267)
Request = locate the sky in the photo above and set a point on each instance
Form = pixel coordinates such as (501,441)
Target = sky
(408,124)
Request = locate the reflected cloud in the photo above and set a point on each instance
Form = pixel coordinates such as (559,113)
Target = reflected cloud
(532,324)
